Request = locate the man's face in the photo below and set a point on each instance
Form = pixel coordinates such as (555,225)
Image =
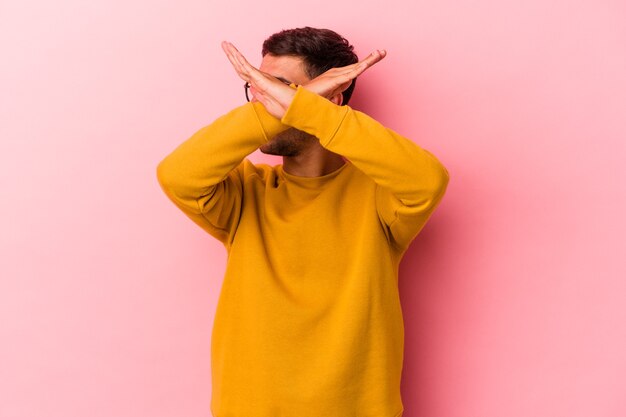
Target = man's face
(288,69)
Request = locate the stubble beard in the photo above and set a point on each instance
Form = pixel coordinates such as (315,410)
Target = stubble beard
(290,142)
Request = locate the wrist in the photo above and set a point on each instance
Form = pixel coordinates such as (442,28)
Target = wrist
(289,95)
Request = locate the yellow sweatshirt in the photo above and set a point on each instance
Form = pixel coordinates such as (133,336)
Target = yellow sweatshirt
(308,321)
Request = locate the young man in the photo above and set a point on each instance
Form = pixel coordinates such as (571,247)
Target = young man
(308,322)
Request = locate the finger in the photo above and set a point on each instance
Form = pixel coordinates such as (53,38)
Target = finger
(227,50)
(371,59)
(352,73)
(254,76)
(375,56)
(343,70)
(230,57)
(243,62)
(236,55)
(353,70)
(234,62)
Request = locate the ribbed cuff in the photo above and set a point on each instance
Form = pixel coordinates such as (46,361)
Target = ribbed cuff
(314,114)
(270,125)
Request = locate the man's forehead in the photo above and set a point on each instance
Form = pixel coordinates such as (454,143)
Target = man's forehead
(283,67)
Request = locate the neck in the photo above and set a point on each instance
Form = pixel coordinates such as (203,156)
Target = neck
(313,163)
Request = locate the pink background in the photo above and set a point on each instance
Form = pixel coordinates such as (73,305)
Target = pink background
(513,295)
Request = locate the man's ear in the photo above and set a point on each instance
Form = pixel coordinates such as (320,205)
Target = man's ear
(337,99)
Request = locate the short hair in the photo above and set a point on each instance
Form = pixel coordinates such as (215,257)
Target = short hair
(320,49)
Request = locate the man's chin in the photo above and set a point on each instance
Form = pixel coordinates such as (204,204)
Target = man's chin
(288,143)
(280,147)
(278,151)
(268,150)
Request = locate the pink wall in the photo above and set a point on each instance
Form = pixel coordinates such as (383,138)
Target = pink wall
(513,294)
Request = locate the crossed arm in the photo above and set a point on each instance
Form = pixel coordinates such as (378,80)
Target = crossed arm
(410,180)
(204,176)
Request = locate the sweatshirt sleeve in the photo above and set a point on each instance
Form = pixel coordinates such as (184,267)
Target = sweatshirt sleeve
(410,181)
(203,176)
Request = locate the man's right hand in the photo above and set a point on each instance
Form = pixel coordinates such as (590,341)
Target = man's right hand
(336,80)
